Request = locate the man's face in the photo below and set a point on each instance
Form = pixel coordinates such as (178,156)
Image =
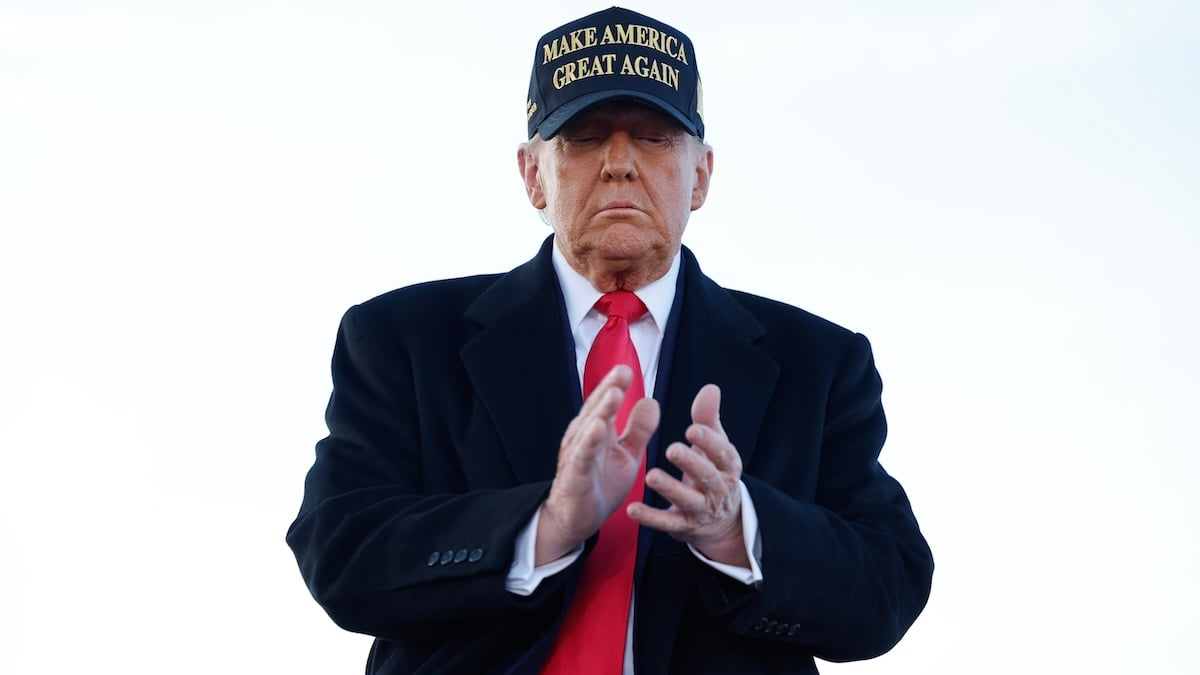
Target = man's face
(618,184)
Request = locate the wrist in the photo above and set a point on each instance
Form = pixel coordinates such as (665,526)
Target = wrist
(550,543)
(728,548)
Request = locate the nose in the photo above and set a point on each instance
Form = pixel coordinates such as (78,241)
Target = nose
(620,157)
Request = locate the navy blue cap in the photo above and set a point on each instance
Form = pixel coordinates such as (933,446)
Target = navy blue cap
(613,54)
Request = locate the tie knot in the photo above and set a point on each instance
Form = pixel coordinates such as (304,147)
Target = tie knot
(621,303)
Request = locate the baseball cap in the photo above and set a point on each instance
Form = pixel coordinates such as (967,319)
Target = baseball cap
(613,54)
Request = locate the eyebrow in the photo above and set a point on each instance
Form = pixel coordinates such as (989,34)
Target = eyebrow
(639,121)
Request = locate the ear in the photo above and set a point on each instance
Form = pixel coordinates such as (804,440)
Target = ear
(528,166)
(704,167)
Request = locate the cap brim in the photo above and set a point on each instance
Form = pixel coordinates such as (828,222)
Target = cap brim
(555,120)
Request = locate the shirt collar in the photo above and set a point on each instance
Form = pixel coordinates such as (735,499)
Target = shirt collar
(580,296)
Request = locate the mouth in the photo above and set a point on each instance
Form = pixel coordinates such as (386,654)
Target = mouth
(618,206)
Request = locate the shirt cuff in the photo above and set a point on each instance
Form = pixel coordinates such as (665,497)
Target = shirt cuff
(523,578)
(753,542)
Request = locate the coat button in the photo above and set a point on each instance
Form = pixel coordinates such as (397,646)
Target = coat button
(433,558)
(475,555)
(461,555)
(447,557)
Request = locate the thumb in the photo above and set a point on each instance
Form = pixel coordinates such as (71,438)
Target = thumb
(706,408)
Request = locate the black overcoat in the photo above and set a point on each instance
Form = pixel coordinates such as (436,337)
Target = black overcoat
(449,402)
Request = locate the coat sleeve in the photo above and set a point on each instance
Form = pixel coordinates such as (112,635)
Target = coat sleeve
(846,568)
(387,544)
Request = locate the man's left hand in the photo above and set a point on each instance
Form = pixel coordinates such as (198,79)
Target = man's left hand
(706,505)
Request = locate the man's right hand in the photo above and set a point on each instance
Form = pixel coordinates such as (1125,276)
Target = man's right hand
(596,468)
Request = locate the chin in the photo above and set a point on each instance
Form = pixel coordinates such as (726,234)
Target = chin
(627,244)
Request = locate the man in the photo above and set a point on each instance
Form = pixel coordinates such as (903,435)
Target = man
(482,503)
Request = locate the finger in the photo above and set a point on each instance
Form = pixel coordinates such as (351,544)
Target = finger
(603,405)
(581,454)
(716,447)
(706,407)
(676,492)
(642,423)
(663,520)
(621,371)
(727,548)
(696,466)
(619,378)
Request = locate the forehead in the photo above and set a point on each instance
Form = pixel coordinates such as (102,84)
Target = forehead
(624,113)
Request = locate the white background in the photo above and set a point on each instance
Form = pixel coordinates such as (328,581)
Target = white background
(1001,195)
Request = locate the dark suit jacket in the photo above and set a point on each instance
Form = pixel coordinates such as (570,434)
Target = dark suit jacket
(449,401)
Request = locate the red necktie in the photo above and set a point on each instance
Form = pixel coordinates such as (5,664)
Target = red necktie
(592,638)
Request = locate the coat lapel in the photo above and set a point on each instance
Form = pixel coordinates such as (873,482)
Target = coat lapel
(520,364)
(714,343)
